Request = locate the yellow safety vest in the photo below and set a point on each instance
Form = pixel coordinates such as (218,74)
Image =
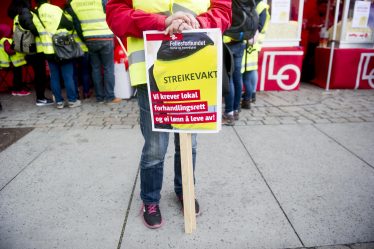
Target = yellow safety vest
(135,46)
(250,57)
(44,40)
(76,36)
(200,65)
(18,59)
(261,6)
(92,18)
(50,15)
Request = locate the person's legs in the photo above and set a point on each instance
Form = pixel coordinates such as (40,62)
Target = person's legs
(67,70)
(85,66)
(151,163)
(247,85)
(232,100)
(250,82)
(153,153)
(93,50)
(237,75)
(54,69)
(229,98)
(17,79)
(76,73)
(254,85)
(38,64)
(107,60)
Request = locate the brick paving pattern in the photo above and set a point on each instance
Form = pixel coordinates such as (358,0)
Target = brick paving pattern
(309,105)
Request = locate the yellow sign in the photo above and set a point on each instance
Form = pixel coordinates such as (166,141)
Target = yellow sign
(184,80)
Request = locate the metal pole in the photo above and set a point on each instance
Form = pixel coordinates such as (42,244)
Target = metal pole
(300,20)
(332,44)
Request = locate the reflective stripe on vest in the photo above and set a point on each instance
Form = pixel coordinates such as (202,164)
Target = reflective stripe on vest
(18,59)
(76,37)
(4,57)
(50,15)
(166,7)
(250,60)
(92,18)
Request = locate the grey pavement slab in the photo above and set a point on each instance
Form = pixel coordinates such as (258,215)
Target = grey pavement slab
(19,155)
(326,191)
(358,138)
(73,195)
(238,210)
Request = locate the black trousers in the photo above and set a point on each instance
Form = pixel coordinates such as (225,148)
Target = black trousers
(38,64)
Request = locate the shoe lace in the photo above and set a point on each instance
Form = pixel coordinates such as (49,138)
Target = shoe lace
(152,208)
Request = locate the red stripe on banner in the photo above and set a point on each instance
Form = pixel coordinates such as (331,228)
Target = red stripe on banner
(162,37)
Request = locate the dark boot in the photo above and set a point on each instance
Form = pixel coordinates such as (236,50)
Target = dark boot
(253,99)
(246,104)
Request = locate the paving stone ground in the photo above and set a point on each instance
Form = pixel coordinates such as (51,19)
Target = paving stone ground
(309,105)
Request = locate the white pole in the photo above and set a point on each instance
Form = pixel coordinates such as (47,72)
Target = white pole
(300,20)
(332,44)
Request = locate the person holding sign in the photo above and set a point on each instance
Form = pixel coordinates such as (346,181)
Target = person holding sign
(129,18)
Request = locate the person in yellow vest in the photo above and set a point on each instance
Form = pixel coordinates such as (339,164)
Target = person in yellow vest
(10,57)
(82,64)
(52,20)
(19,11)
(250,58)
(129,18)
(98,37)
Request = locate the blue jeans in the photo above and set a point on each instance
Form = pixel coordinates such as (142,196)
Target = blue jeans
(153,154)
(67,72)
(82,72)
(250,79)
(232,100)
(102,55)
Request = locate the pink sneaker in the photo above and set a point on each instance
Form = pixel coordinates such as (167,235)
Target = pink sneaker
(21,93)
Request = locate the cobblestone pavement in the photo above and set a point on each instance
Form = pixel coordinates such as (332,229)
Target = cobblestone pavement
(309,105)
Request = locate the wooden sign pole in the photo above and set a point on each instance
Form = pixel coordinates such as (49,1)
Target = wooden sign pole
(187,182)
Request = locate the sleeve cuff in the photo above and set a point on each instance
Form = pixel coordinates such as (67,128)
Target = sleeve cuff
(160,22)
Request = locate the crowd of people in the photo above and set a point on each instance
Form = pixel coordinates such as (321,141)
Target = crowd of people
(245,61)
(87,22)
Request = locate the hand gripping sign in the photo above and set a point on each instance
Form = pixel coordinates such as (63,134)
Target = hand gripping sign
(184,84)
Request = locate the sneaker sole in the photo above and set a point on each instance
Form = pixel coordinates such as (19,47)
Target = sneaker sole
(227,124)
(21,95)
(42,104)
(146,224)
(154,226)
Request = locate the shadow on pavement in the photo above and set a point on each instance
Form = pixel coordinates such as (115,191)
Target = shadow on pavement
(8,136)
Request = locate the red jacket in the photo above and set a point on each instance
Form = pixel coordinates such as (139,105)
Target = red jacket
(123,20)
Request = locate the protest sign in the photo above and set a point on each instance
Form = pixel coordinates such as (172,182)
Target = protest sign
(184,74)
